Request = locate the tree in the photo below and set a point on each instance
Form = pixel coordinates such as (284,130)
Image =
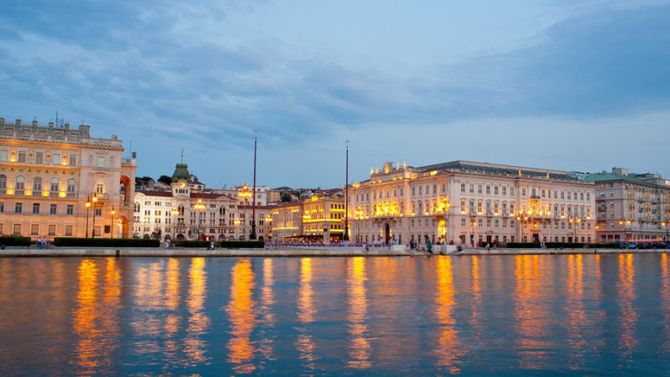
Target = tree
(285,197)
(165,179)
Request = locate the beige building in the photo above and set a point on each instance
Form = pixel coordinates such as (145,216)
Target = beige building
(471,202)
(48,174)
(631,207)
(320,218)
(189,211)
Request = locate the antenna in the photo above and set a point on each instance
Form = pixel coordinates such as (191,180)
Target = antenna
(182,155)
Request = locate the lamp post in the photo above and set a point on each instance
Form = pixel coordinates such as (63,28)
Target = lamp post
(346,195)
(95,202)
(88,205)
(199,207)
(112,230)
(174,213)
(252,236)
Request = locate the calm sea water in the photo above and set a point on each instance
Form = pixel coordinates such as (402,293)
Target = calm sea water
(503,315)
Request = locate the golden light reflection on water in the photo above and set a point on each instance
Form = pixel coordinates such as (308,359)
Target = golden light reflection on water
(359,350)
(575,310)
(628,316)
(172,300)
(665,301)
(87,347)
(241,315)
(449,348)
(304,343)
(531,315)
(198,321)
(265,347)
(476,302)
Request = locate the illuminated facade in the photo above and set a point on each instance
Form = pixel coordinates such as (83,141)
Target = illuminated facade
(631,207)
(189,211)
(318,219)
(467,202)
(57,181)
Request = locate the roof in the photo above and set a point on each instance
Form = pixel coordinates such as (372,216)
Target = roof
(155,193)
(497,169)
(209,195)
(611,177)
(181,172)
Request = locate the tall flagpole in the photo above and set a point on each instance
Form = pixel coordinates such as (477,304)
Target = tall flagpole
(252,236)
(346,196)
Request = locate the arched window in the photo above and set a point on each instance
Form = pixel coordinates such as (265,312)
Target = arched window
(37,185)
(53,187)
(99,189)
(20,185)
(71,186)
(222,211)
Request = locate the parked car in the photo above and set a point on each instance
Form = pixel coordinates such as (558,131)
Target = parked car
(632,245)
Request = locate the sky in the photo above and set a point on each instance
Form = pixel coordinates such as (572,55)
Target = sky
(572,85)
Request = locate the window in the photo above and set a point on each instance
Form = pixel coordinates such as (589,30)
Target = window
(55,159)
(2,207)
(36,208)
(17,229)
(39,158)
(100,189)
(69,210)
(68,230)
(73,160)
(37,185)
(34,229)
(101,161)
(71,186)
(52,229)
(53,209)
(463,187)
(3,183)
(20,185)
(4,155)
(98,211)
(18,208)
(53,187)
(22,156)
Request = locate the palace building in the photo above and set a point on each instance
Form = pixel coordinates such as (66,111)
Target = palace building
(319,218)
(58,181)
(631,207)
(471,202)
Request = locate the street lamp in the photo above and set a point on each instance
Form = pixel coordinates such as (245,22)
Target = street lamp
(95,201)
(88,205)
(112,230)
(199,207)
(174,213)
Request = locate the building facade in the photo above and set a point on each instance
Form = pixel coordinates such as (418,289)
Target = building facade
(470,203)
(188,212)
(320,218)
(631,207)
(57,181)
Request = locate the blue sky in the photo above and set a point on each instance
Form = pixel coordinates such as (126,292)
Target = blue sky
(558,84)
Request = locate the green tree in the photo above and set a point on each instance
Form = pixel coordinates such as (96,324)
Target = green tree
(165,179)
(285,197)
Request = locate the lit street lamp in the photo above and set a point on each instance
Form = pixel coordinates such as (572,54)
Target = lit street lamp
(88,205)
(112,230)
(95,202)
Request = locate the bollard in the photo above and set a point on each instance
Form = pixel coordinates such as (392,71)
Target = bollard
(118,253)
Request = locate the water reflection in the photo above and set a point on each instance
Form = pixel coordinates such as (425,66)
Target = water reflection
(198,321)
(449,348)
(241,315)
(87,346)
(575,311)
(359,350)
(628,315)
(665,301)
(530,313)
(304,343)
(476,302)
(267,302)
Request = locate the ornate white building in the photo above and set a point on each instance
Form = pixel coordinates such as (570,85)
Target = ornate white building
(190,211)
(57,181)
(468,202)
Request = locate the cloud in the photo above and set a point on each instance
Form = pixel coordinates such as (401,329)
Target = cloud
(186,75)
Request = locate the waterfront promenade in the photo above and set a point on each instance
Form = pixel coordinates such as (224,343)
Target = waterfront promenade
(294,252)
